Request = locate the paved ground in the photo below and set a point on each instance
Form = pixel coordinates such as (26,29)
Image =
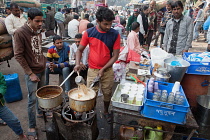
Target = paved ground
(20,108)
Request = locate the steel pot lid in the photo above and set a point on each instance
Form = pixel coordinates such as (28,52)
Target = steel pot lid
(162,73)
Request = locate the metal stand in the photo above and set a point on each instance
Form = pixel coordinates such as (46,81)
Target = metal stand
(130,115)
(51,127)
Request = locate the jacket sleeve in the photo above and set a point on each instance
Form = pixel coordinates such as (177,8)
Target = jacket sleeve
(19,53)
(190,34)
(166,37)
(3,86)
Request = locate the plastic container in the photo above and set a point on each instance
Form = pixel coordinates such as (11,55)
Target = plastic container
(13,92)
(198,68)
(165,111)
(117,103)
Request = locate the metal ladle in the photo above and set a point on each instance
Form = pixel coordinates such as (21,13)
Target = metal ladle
(79,79)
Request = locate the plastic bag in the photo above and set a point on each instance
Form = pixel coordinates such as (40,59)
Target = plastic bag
(123,54)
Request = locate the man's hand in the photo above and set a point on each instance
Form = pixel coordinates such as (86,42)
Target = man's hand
(34,78)
(52,66)
(145,36)
(77,68)
(154,33)
(101,72)
(82,66)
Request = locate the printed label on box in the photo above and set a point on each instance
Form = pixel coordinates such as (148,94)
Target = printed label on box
(202,69)
(165,113)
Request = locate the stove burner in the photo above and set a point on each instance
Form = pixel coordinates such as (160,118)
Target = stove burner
(73,116)
(55,109)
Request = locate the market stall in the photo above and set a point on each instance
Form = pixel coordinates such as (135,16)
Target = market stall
(151,89)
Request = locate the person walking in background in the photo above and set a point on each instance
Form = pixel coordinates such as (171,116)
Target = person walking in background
(83,23)
(68,18)
(142,19)
(5,113)
(133,39)
(73,26)
(167,16)
(58,60)
(152,23)
(190,12)
(121,28)
(8,11)
(49,22)
(160,15)
(206,26)
(59,17)
(92,17)
(132,19)
(198,22)
(28,53)
(179,31)
(15,20)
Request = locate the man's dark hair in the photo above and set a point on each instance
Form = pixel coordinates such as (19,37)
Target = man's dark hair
(90,25)
(176,4)
(169,2)
(65,6)
(68,10)
(86,16)
(201,6)
(122,22)
(48,7)
(56,37)
(76,16)
(59,9)
(7,8)
(33,12)
(104,13)
(145,7)
(13,5)
(135,25)
(78,36)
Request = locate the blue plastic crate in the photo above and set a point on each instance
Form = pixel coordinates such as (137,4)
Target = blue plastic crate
(165,111)
(198,68)
(13,92)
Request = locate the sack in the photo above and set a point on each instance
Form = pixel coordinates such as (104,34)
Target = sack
(27,3)
(3,29)
(49,33)
(6,54)
(5,41)
(123,54)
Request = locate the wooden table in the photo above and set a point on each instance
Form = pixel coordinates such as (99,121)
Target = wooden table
(118,113)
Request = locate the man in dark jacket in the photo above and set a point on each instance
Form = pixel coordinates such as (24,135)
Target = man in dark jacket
(5,113)
(50,22)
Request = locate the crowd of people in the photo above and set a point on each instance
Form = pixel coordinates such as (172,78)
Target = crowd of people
(98,35)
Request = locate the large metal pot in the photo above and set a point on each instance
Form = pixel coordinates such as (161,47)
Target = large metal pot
(161,75)
(81,105)
(49,96)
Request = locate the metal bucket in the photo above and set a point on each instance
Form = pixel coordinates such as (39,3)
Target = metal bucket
(203,110)
(176,72)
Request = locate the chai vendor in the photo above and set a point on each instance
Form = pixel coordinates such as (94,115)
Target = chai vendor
(104,45)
